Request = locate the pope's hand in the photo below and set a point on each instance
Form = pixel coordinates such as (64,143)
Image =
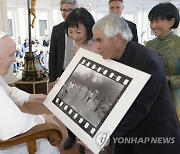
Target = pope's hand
(37,98)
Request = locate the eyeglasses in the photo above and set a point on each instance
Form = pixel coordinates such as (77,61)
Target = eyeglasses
(66,11)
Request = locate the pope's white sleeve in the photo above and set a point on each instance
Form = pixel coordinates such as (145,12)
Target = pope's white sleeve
(18,96)
(32,121)
(12,120)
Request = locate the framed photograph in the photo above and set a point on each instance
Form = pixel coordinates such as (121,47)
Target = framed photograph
(92,96)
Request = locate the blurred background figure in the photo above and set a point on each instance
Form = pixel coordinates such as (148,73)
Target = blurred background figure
(117,7)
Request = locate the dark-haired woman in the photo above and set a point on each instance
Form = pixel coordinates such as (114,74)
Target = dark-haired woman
(78,26)
(163,18)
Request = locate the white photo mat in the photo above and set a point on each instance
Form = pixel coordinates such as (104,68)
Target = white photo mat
(92,96)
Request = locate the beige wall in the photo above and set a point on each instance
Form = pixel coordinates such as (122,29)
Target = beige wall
(177,31)
(3,16)
(135,11)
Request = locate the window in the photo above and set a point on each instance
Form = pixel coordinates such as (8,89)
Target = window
(10,27)
(42,27)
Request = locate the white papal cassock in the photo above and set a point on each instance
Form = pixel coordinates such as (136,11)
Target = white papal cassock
(14,122)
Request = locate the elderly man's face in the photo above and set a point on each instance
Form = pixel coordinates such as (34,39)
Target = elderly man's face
(108,48)
(116,7)
(66,9)
(7,54)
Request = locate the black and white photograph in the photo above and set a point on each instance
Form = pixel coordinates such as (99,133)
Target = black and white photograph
(93,92)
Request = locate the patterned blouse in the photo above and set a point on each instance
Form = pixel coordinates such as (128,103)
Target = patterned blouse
(168,48)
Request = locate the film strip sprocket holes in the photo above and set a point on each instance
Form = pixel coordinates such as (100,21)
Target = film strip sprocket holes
(76,117)
(112,74)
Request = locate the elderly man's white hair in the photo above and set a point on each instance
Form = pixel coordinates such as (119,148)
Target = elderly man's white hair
(111,25)
(2,34)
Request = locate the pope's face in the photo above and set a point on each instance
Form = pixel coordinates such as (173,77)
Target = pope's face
(7,54)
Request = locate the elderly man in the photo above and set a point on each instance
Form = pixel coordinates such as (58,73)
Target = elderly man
(13,121)
(61,54)
(152,115)
(117,7)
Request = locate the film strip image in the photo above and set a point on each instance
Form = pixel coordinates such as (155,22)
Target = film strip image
(90,93)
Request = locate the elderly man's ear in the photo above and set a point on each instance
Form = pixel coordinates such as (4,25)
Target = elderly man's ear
(119,37)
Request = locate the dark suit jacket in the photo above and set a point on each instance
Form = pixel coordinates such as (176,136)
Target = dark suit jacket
(133,29)
(57,50)
(152,114)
